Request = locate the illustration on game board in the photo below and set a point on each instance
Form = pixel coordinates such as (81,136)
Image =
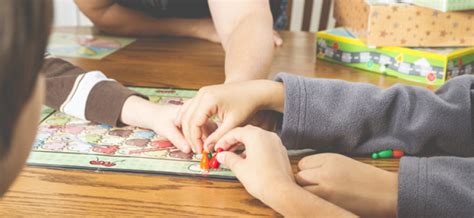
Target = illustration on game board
(85,46)
(66,141)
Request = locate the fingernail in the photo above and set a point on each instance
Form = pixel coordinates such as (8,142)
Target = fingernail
(186,148)
(208,147)
(220,157)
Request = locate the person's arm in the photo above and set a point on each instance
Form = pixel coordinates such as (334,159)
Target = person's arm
(114,18)
(293,201)
(360,118)
(93,96)
(436,187)
(266,173)
(245,30)
(84,94)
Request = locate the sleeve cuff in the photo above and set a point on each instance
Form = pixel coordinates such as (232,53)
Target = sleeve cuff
(106,101)
(412,187)
(295,95)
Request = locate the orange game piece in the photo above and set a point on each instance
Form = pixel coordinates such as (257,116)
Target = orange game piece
(204,162)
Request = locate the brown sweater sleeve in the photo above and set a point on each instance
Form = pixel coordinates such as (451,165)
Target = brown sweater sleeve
(88,95)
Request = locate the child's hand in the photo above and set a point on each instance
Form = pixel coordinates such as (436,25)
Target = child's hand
(265,171)
(235,104)
(263,167)
(142,113)
(358,187)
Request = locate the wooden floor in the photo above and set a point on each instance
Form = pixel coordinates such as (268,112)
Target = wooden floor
(167,62)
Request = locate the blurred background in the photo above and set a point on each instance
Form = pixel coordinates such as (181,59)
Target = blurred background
(301,15)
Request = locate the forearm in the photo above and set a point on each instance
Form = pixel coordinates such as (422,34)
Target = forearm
(292,200)
(120,20)
(362,118)
(137,111)
(436,187)
(249,49)
(87,95)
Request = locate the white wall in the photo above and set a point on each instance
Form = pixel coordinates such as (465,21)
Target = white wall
(67,14)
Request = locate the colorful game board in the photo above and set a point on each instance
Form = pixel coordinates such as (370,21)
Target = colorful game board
(85,46)
(67,142)
(45,112)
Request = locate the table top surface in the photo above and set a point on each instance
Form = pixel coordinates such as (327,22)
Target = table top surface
(179,63)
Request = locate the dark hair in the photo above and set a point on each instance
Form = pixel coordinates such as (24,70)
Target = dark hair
(24,29)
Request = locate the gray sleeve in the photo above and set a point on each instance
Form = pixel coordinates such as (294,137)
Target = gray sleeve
(436,187)
(360,118)
(356,118)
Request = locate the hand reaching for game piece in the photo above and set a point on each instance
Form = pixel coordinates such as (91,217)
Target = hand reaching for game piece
(350,184)
(263,166)
(265,171)
(142,113)
(234,104)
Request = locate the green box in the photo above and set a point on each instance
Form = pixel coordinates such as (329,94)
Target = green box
(444,5)
(425,65)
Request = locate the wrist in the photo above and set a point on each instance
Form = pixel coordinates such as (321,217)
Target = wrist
(392,198)
(292,200)
(273,96)
(137,111)
(276,195)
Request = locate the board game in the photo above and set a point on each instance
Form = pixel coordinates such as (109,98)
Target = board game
(85,46)
(64,141)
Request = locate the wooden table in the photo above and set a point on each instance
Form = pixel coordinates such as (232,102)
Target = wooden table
(167,62)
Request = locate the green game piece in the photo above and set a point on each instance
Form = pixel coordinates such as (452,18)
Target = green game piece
(382,154)
(209,155)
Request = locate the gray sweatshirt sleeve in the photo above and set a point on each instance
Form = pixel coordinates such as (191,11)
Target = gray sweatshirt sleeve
(333,115)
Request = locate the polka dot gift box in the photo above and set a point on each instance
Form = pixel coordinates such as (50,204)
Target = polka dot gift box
(407,25)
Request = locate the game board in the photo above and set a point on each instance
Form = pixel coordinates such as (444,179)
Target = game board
(85,46)
(64,141)
(45,112)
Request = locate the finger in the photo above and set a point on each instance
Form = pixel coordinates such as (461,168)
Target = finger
(187,119)
(243,154)
(277,39)
(177,139)
(308,177)
(208,128)
(231,160)
(182,110)
(313,161)
(203,112)
(230,139)
(316,189)
(226,126)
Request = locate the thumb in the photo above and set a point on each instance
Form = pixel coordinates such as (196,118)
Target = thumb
(231,160)
(220,131)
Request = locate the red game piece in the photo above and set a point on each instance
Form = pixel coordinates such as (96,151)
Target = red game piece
(219,150)
(214,164)
(398,153)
